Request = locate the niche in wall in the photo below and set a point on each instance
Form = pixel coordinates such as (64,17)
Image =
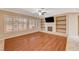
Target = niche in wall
(61,24)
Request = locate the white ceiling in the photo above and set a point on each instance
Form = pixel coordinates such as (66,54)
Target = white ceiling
(34,11)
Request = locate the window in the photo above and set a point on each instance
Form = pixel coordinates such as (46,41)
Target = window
(19,23)
(9,24)
(15,23)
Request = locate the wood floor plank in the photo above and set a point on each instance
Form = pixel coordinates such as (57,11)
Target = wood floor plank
(37,41)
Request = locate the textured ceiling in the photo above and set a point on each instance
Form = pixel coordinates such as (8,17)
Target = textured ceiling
(34,11)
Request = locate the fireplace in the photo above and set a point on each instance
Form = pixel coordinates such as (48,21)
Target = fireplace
(49,28)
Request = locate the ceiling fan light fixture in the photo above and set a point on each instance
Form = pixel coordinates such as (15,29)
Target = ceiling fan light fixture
(39,13)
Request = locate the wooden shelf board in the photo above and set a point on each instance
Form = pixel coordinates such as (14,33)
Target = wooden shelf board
(60,24)
(61,28)
(61,20)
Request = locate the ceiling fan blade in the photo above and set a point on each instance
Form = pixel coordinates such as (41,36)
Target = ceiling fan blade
(43,13)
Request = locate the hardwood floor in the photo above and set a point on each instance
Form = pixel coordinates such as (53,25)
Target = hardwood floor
(37,41)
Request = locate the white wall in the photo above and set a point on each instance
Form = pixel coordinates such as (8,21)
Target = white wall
(73,38)
(73,25)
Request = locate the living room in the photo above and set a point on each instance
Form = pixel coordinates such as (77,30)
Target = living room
(17,22)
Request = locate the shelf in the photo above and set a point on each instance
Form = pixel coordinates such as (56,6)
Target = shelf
(61,24)
(61,20)
(61,32)
(61,28)
(42,25)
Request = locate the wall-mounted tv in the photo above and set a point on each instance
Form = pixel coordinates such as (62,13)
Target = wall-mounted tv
(49,19)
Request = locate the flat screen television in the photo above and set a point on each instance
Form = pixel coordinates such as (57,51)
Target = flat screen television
(49,19)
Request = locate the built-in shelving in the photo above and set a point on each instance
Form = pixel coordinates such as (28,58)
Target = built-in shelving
(42,24)
(61,24)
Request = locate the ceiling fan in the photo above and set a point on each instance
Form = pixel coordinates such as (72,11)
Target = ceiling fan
(41,11)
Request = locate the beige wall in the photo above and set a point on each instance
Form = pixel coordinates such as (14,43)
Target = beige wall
(73,38)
